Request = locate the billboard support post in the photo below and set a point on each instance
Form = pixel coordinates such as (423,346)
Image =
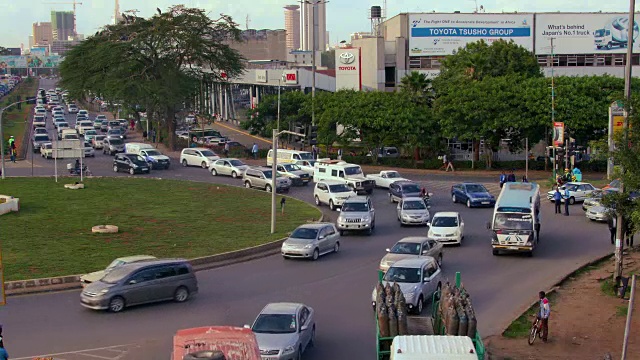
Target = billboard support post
(553,108)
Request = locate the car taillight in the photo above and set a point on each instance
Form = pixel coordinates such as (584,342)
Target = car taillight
(498,231)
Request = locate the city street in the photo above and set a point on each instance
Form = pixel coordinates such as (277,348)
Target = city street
(337,286)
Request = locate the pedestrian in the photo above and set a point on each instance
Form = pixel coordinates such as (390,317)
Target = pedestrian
(314,152)
(450,166)
(145,135)
(340,154)
(226,149)
(543,314)
(153,135)
(511,177)
(12,142)
(524,179)
(444,162)
(254,151)
(612,222)
(3,352)
(557,200)
(12,153)
(503,179)
(566,196)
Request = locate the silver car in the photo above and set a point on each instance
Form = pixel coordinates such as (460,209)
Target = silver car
(295,173)
(311,241)
(284,330)
(598,213)
(232,167)
(418,279)
(413,211)
(595,198)
(412,247)
(357,214)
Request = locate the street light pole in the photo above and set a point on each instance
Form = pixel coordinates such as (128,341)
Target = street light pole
(279,84)
(274,173)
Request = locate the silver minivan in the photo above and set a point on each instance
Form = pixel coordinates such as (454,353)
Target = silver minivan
(141,283)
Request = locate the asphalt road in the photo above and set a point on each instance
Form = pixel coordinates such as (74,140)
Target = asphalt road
(338,286)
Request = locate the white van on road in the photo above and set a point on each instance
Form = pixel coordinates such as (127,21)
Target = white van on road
(286,156)
(154,158)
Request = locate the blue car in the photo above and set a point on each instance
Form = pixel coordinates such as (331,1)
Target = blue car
(473,195)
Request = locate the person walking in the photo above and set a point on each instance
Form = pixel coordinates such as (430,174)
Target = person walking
(612,222)
(444,162)
(557,200)
(153,135)
(340,154)
(503,179)
(254,151)
(450,166)
(543,314)
(511,177)
(566,196)
(12,149)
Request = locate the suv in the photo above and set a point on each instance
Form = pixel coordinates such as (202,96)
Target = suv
(130,163)
(357,214)
(399,190)
(332,193)
(260,177)
(112,146)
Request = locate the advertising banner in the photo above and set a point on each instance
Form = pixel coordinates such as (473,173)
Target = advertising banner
(558,133)
(30,61)
(443,34)
(596,33)
(261,76)
(39,51)
(291,77)
(348,75)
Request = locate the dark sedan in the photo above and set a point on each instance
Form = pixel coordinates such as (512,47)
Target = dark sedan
(403,189)
(472,195)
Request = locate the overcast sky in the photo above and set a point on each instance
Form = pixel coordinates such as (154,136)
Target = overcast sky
(343,16)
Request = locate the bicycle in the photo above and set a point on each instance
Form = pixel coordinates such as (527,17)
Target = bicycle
(536,330)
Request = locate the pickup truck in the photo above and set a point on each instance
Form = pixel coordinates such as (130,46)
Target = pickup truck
(385,178)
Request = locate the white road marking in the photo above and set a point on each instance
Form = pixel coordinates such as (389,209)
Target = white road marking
(78,352)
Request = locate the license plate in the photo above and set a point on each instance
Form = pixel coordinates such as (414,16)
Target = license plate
(513,248)
(265,358)
(145,169)
(485,203)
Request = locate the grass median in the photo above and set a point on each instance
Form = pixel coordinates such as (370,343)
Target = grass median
(51,234)
(14,120)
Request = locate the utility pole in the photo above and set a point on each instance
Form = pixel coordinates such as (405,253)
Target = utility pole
(553,111)
(620,233)
(274,172)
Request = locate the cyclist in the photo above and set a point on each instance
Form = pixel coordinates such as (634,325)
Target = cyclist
(543,315)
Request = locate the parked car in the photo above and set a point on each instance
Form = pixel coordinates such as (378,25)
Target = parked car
(130,163)
(357,214)
(310,241)
(333,193)
(472,195)
(260,177)
(284,330)
(418,279)
(231,167)
(97,275)
(38,141)
(596,197)
(598,213)
(112,146)
(401,189)
(295,173)
(413,211)
(412,247)
(140,283)
(578,192)
(202,157)
(98,141)
(446,227)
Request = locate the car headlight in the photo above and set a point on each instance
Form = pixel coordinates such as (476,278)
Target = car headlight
(308,246)
(366,218)
(134,166)
(405,216)
(289,349)
(103,291)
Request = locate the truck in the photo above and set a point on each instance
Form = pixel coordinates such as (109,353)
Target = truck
(349,174)
(215,342)
(614,34)
(515,226)
(443,335)
(385,177)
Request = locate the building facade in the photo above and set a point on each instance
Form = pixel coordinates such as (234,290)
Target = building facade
(42,34)
(313,25)
(62,25)
(292,26)
(61,47)
(263,44)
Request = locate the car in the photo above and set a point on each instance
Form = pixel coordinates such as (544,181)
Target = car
(113,124)
(131,163)
(89,151)
(39,140)
(284,331)
(101,118)
(231,167)
(385,178)
(98,141)
(332,193)
(305,165)
(202,157)
(472,194)
(46,150)
(115,134)
(140,283)
(97,275)
(596,197)
(261,177)
(112,146)
(83,126)
(295,173)
(73,109)
(357,214)
(578,192)
(84,113)
(40,130)
(446,227)
(412,247)
(413,211)
(62,125)
(401,189)
(89,135)
(598,213)
(419,278)
(104,126)
(39,121)
(310,241)
(184,135)
(97,124)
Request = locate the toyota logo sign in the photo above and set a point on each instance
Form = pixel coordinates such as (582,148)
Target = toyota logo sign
(347,58)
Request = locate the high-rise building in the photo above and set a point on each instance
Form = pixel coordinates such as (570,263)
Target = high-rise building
(62,25)
(42,34)
(314,10)
(262,44)
(292,26)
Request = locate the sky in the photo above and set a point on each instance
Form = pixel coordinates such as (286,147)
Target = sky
(344,17)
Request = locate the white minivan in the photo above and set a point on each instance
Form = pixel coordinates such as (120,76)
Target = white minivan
(154,158)
(286,156)
(202,157)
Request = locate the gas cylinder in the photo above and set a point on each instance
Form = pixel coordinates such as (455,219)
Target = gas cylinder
(464,322)
(473,323)
(393,321)
(453,321)
(383,320)
(403,325)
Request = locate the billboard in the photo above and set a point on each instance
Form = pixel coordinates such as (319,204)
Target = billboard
(584,33)
(30,61)
(261,76)
(39,51)
(443,34)
(290,77)
(348,69)
(558,133)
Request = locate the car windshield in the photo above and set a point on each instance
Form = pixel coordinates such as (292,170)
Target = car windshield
(410,188)
(413,205)
(237,163)
(355,207)
(476,188)
(406,248)
(114,132)
(513,221)
(393,174)
(207,153)
(598,33)
(304,233)
(571,187)
(275,324)
(153,153)
(306,156)
(338,188)
(115,275)
(136,159)
(445,221)
(41,138)
(115,263)
(353,170)
(291,167)
(402,275)
(116,142)
(90,132)
(99,137)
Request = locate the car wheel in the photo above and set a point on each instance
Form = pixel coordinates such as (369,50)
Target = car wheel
(184,163)
(317,201)
(312,341)
(131,171)
(453,198)
(419,306)
(267,188)
(469,203)
(336,247)
(116,304)
(247,185)
(439,260)
(214,172)
(181,294)
(234,174)
(332,206)
(572,200)
(115,168)
(315,255)
(203,165)
(496,252)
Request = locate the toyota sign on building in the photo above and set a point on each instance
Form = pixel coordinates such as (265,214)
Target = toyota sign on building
(348,70)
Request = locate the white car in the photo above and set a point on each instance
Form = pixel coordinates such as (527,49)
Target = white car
(386,178)
(578,192)
(305,165)
(39,121)
(332,193)
(202,157)
(446,227)
(88,150)
(83,126)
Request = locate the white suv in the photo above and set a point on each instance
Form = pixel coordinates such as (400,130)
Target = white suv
(332,193)
(202,157)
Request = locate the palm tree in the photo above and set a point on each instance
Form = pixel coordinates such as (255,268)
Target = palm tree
(417,85)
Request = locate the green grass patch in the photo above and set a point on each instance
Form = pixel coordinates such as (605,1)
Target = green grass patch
(621,310)
(520,327)
(14,120)
(51,234)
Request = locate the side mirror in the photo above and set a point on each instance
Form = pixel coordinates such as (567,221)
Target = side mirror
(426,279)
(429,224)
(388,250)
(424,252)
(488,224)
(132,282)
(321,237)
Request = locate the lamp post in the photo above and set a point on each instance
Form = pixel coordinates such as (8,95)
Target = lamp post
(274,173)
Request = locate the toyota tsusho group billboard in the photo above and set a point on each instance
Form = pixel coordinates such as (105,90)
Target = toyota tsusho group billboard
(444,34)
(584,33)
(348,71)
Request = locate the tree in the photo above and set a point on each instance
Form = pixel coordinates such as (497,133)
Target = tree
(4,51)
(417,86)
(159,62)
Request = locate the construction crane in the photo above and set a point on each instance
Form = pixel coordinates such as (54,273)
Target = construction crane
(74,3)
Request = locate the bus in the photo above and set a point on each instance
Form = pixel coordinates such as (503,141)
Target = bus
(515,225)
